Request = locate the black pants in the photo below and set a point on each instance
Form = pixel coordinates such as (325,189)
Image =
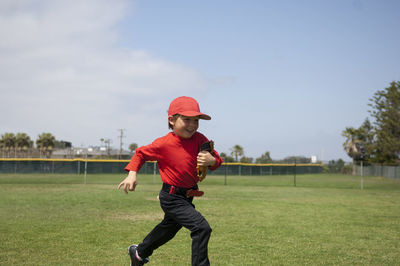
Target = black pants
(179,211)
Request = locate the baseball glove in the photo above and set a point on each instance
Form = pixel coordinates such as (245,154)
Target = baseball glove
(202,170)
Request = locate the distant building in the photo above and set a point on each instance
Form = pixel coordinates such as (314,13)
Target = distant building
(313,159)
(91,152)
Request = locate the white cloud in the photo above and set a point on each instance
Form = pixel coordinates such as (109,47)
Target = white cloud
(63,71)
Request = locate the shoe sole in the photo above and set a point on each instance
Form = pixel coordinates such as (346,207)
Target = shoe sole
(129,252)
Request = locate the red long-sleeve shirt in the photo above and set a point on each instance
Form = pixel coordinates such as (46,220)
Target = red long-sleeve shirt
(176,158)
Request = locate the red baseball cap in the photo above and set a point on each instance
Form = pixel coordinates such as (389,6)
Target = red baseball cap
(186,106)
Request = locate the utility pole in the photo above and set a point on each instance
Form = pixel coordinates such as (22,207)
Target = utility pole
(121,130)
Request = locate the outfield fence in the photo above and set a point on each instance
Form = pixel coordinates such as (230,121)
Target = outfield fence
(81,166)
(377,170)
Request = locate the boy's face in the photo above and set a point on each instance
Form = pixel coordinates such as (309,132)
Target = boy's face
(185,126)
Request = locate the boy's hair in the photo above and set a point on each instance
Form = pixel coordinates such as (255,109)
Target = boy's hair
(175,116)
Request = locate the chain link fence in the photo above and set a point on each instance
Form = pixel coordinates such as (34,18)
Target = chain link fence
(377,170)
(80,166)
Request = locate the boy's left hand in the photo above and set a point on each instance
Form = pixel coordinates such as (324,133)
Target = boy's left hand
(204,158)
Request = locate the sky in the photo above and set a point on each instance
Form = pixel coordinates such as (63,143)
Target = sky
(285,77)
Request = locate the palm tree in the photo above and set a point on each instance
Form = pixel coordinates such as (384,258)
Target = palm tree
(45,143)
(265,158)
(226,158)
(359,141)
(133,147)
(23,143)
(237,151)
(7,143)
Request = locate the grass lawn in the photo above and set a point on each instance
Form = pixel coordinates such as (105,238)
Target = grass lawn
(55,219)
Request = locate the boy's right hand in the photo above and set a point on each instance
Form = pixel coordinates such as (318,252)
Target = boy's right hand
(129,182)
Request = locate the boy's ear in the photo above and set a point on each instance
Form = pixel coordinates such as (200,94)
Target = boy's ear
(171,120)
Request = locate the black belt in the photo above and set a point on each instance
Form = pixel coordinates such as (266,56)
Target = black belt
(176,190)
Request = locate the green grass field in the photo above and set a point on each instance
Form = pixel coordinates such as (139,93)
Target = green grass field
(324,220)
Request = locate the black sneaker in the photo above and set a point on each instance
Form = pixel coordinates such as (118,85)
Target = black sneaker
(134,260)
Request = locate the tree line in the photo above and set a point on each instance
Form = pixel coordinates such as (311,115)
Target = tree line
(377,141)
(237,155)
(21,145)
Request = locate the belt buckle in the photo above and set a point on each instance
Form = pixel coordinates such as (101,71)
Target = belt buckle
(194,193)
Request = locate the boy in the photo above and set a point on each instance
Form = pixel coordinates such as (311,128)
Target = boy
(177,154)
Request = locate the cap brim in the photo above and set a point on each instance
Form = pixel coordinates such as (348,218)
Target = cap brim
(200,115)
